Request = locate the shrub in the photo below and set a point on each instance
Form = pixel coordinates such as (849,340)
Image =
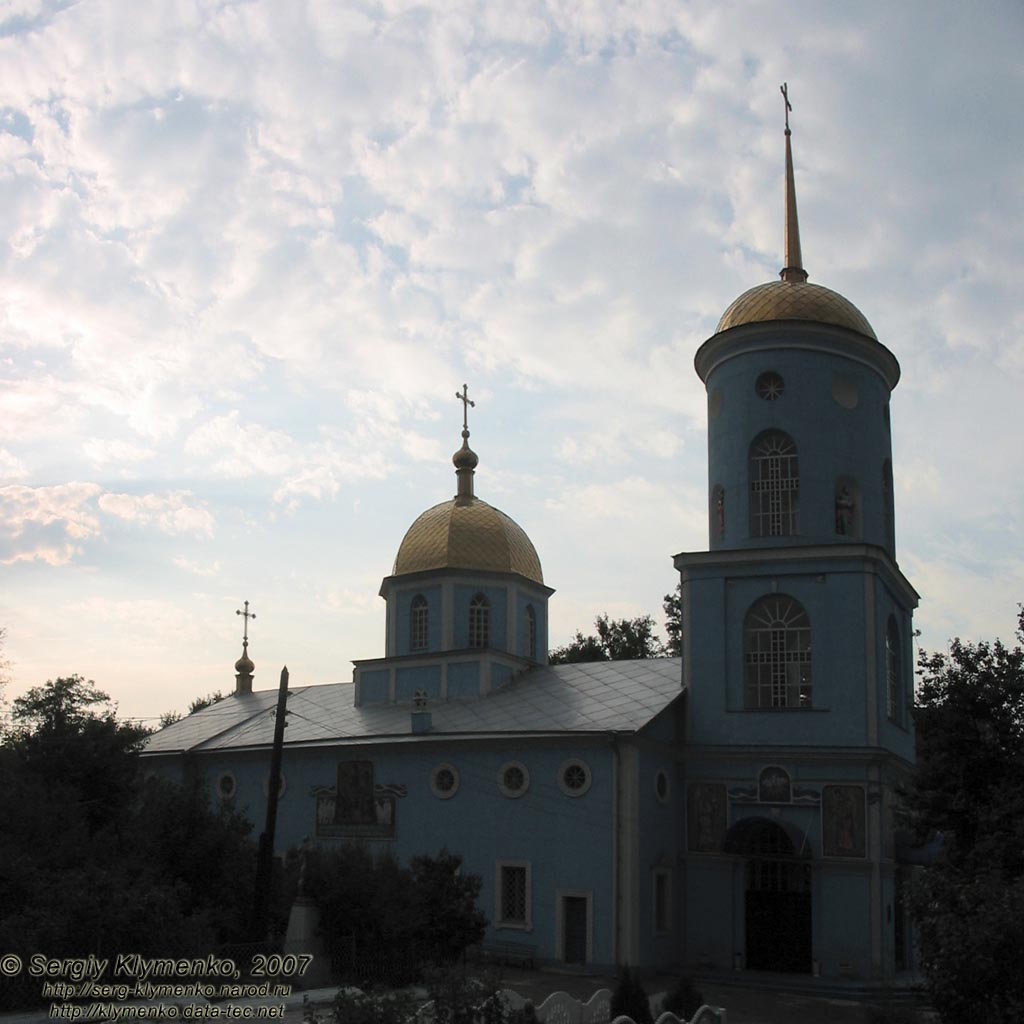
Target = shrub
(630,999)
(684,1000)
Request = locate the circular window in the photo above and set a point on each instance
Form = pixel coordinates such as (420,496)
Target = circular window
(574,777)
(226,785)
(661,786)
(444,781)
(770,386)
(513,778)
(280,789)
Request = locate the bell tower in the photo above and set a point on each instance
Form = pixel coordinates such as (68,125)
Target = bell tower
(798,662)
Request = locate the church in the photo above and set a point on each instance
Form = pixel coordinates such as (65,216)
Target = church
(730,810)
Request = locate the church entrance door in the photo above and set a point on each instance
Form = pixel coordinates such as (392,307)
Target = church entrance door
(777,901)
(574,929)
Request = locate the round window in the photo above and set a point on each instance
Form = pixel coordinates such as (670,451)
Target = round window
(574,777)
(226,785)
(444,781)
(661,786)
(770,386)
(513,778)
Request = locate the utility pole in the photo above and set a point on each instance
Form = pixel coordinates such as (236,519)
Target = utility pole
(265,854)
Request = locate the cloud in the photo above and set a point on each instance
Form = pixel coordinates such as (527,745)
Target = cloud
(196,568)
(11,467)
(172,513)
(46,524)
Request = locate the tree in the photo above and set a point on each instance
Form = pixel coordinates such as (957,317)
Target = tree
(616,640)
(969,787)
(67,733)
(673,605)
(170,717)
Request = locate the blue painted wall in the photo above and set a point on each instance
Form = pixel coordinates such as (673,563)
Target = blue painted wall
(498,623)
(373,686)
(832,441)
(403,603)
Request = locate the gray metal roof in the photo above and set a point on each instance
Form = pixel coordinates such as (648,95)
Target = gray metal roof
(594,697)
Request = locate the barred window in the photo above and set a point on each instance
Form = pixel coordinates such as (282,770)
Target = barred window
(479,621)
(777,654)
(531,633)
(418,623)
(513,895)
(892,669)
(774,486)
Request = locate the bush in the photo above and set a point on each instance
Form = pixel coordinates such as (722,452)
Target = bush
(351,1006)
(630,999)
(684,1000)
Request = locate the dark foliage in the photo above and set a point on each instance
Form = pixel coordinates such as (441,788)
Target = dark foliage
(616,640)
(673,607)
(92,858)
(684,1000)
(383,923)
(969,786)
(630,999)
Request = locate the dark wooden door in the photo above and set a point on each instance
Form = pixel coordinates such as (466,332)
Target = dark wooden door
(574,929)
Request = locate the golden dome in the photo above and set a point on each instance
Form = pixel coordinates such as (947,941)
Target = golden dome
(467,534)
(794,300)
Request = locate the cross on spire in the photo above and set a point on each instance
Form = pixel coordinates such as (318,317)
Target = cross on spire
(466,401)
(247,615)
(789,106)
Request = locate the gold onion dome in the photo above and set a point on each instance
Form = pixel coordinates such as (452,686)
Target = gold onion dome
(467,533)
(793,298)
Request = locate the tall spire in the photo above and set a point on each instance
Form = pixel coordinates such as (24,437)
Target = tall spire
(465,458)
(794,268)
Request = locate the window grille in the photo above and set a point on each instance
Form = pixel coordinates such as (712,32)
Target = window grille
(777,655)
(418,623)
(513,894)
(479,621)
(774,486)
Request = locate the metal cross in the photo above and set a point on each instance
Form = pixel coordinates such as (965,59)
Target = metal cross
(789,106)
(247,615)
(466,403)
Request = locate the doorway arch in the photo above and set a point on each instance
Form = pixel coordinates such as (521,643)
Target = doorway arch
(777,896)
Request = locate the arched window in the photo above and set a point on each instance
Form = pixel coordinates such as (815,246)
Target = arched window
(893,675)
(774,486)
(531,633)
(777,654)
(418,622)
(479,621)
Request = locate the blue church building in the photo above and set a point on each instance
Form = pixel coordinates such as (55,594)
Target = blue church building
(728,810)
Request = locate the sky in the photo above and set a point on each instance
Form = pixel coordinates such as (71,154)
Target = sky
(249,251)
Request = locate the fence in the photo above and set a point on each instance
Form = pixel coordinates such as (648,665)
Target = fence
(562,1008)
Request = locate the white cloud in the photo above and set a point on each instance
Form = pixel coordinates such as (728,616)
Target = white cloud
(46,524)
(172,513)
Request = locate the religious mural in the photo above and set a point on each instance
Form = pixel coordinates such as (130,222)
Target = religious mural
(773,786)
(356,806)
(705,816)
(842,821)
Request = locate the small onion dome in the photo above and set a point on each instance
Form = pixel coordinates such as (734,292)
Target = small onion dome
(465,457)
(795,300)
(244,665)
(467,534)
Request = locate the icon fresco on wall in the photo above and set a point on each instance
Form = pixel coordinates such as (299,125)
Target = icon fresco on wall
(356,805)
(705,816)
(773,786)
(842,821)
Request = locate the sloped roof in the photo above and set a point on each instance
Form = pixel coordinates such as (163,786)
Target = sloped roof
(595,697)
